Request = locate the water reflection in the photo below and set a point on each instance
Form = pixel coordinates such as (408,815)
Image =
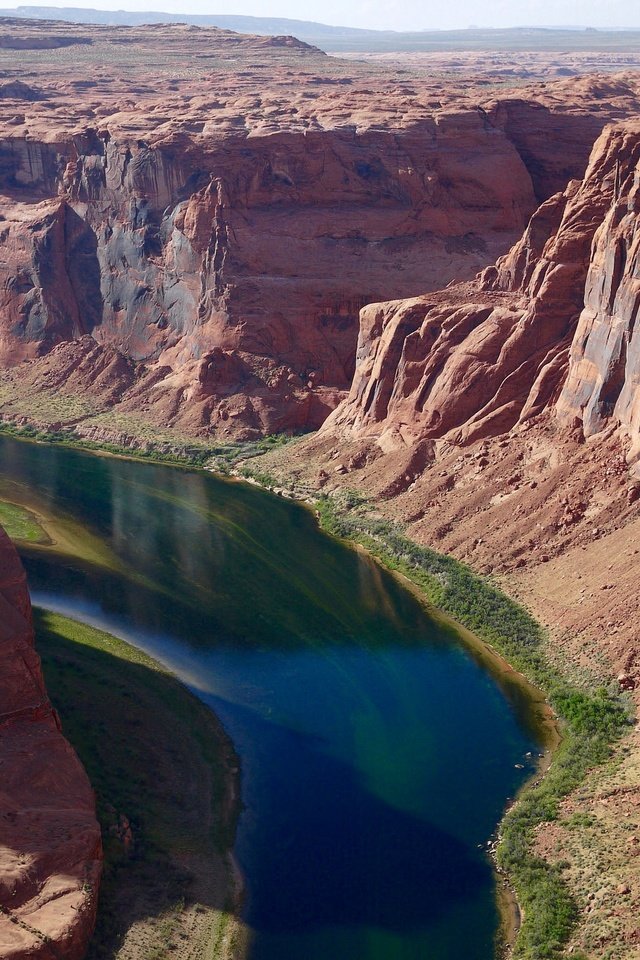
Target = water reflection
(377,753)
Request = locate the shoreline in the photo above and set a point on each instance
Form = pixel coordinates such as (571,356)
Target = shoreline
(546,722)
(511,848)
(221,922)
(490,659)
(547,726)
(510,906)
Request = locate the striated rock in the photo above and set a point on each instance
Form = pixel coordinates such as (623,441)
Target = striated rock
(262,261)
(475,360)
(221,229)
(50,846)
(469,409)
(603,382)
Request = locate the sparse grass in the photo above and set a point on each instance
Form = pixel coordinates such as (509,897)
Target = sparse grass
(143,431)
(48,406)
(151,444)
(266,480)
(590,719)
(157,757)
(187,454)
(580,820)
(20,524)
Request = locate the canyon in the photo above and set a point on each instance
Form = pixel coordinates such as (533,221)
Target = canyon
(551,325)
(194,252)
(497,421)
(51,852)
(522,382)
(434,266)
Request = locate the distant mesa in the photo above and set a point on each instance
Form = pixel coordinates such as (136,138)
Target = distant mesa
(331,38)
(11,41)
(274,26)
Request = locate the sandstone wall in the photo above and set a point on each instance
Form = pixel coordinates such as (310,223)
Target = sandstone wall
(212,242)
(50,846)
(551,326)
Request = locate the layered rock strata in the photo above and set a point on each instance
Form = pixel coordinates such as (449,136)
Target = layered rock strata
(499,419)
(550,327)
(50,846)
(221,230)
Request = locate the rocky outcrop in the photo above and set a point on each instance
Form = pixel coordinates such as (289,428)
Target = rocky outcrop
(222,235)
(251,257)
(603,382)
(50,846)
(498,419)
(477,359)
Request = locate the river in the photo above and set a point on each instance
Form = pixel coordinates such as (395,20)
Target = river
(377,750)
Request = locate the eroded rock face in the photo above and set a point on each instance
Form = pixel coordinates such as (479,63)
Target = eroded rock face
(222,233)
(496,421)
(50,846)
(603,383)
(261,250)
(477,359)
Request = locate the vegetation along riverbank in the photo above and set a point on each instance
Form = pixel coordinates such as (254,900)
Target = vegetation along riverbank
(590,718)
(166,779)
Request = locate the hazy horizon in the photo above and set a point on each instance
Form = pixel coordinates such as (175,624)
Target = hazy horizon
(383,15)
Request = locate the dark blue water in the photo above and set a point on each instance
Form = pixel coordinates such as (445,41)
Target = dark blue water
(377,752)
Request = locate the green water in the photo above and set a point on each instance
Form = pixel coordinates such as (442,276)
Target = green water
(377,753)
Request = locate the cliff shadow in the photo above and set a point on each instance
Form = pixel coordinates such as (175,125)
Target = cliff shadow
(164,775)
(329,852)
(83,269)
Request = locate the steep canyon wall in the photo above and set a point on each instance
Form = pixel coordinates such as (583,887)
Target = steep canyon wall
(206,247)
(550,327)
(50,846)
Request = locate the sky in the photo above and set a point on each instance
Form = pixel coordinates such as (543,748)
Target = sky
(394,15)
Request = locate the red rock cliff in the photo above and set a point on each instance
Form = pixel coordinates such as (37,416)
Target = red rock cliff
(550,327)
(50,846)
(603,381)
(214,240)
(232,269)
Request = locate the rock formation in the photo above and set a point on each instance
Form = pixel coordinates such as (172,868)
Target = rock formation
(603,381)
(499,418)
(220,236)
(498,421)
(50,846)
(551,326)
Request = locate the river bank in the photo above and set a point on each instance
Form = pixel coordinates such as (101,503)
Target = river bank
(430,581)
(48,531)
(32,470)
(166,778)
(547,726)
(539,911)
